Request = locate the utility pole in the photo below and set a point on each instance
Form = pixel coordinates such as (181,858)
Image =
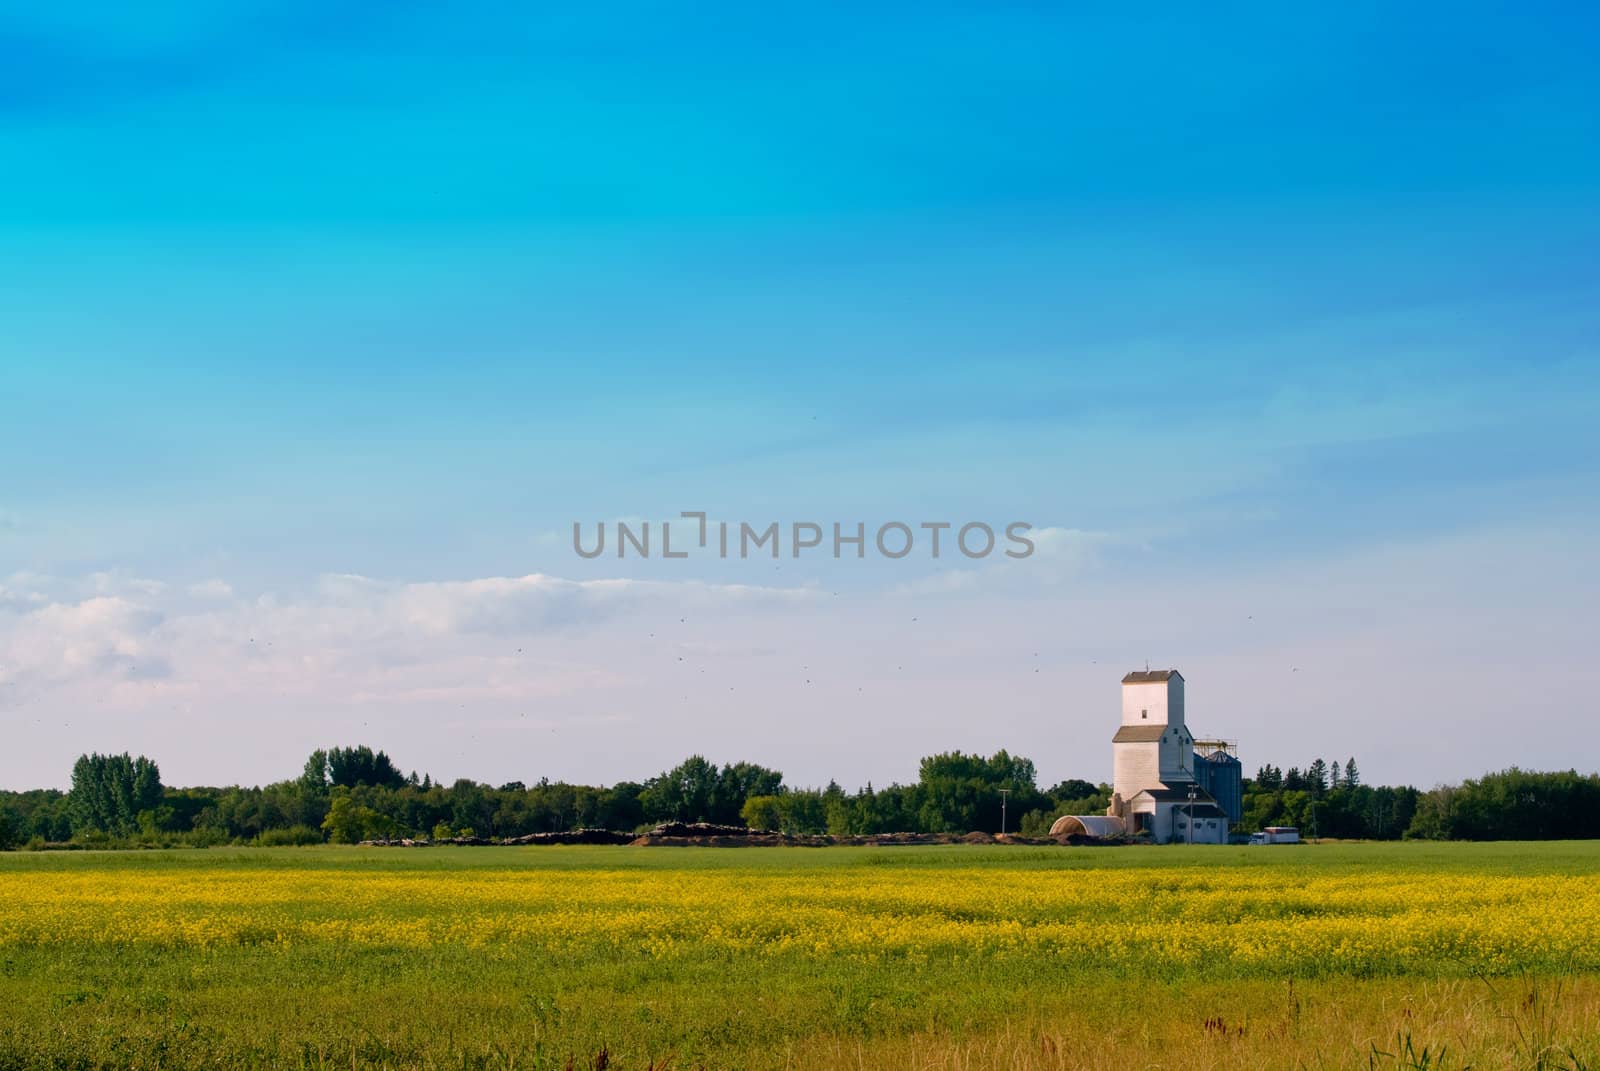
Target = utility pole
(1190,829)
(1004,792)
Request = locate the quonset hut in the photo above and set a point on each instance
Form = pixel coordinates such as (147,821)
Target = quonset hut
(1157,788)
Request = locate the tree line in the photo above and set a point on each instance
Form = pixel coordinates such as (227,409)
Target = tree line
(348,794)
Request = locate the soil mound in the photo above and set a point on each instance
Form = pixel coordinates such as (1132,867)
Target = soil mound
(749,839)
(705,829)
(711,835)
(575,836)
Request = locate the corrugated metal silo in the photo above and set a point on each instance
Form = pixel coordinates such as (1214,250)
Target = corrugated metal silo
(1221,774)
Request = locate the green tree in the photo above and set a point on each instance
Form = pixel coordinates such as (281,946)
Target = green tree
(109,792)
(1435,817)
(762,812)
(1317,777)
(618,807)
(1073,788)
(472,808)
(314,778)
(347,821)
(1513,804)
(960,792)
(152,824)
(352,766)
(684,793)
(379,826)
(803,811)
(737,783)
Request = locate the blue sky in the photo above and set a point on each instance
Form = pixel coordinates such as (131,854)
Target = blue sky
(329,325)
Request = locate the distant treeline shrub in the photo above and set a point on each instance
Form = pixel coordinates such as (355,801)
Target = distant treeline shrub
(352,794)
(1513,804)
(288,838)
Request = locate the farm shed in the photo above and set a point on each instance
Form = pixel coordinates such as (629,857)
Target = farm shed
(1098,826)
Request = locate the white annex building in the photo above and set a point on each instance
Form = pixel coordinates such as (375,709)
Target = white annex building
(1156,787)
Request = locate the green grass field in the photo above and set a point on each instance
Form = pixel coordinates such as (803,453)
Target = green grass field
(1391,955)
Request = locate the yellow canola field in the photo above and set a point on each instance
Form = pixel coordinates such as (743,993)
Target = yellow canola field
(1180,919)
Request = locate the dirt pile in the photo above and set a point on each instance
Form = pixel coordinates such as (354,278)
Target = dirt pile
(706,829)
(711,835)
(890,840)
(574,836)
(752,839)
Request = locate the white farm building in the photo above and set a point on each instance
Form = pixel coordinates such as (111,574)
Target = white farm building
(1160,780)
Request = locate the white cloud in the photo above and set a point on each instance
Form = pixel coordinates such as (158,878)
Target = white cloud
(517,605)
(349,637)
(211,589)
(101,638)
(19,601)
(112,583)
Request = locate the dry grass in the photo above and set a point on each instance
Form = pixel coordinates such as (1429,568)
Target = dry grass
(1532,1024)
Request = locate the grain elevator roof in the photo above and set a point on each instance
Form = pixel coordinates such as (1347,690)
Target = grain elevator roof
(1151,676)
